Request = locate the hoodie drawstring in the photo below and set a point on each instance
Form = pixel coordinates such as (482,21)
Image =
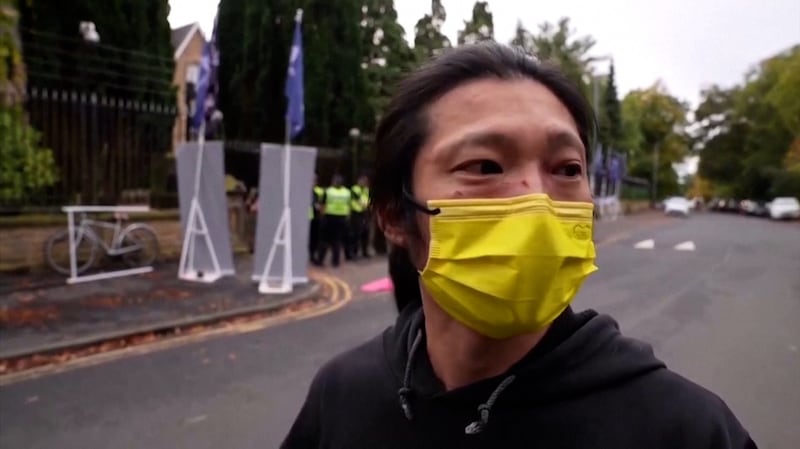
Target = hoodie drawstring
(405,389)
(484,409)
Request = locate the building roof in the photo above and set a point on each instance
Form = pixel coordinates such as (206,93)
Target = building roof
(182,35)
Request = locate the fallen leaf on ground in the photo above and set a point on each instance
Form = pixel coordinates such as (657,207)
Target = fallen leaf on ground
(25,298)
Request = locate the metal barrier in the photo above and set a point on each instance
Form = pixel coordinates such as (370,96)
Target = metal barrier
(74,277)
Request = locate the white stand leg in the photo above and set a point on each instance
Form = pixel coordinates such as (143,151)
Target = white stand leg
(196,227)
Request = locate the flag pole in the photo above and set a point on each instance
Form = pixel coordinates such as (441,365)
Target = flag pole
(283,233)
(196,225)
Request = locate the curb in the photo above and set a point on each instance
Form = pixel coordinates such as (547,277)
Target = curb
(282,303)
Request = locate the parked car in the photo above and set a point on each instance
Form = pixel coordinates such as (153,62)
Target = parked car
(760,209)
(716,204)
(677,205)
(784,208)
(748,207)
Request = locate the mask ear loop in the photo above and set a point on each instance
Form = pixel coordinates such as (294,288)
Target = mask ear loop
(409,215)
(410,199)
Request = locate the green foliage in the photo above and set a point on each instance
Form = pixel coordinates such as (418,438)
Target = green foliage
(12,73)
(387,55)
(25,167)
(480,27)
(611,114)
(654,133)
(429,40)
(557,43)
(748,135)
(133,60)
(254,40)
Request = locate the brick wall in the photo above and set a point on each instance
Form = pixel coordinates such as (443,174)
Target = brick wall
(22,248)
(635,206)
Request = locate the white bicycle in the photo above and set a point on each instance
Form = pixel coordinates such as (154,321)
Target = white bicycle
(136,244)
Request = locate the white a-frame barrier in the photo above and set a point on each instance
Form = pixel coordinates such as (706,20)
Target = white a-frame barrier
(206,254)
(283,233)
(281,255)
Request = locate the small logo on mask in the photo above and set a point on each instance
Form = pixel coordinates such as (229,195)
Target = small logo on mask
(582,232)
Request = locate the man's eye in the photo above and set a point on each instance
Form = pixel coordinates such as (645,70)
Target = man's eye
(570,170)
(482,167)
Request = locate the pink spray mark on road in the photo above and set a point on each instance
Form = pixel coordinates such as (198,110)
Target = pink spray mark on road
(378,286)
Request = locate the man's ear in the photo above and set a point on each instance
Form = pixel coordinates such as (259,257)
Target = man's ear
(392,228)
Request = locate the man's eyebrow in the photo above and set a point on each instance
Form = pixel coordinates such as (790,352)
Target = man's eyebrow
(489,139)
(558,138)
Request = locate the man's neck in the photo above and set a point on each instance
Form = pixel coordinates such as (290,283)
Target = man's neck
(460,356)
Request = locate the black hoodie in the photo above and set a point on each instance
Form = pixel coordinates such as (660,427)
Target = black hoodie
(583,386)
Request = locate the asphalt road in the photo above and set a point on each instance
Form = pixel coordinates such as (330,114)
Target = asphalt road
(725,315)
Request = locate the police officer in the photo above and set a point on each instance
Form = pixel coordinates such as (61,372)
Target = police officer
(359,221)
(315,228)
(337,214)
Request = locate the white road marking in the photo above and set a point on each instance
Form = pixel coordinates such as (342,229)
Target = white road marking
(685,246)
(196,419)
(645,244)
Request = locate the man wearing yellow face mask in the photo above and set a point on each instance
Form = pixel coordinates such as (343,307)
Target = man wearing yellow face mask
(480,177)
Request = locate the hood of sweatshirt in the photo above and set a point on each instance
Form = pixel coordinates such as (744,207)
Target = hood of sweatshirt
(580,354)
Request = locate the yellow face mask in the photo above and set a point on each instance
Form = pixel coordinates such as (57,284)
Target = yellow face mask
(505,267)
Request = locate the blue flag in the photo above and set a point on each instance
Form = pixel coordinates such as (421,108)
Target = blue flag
(597,164)
(206,99)
(295,110)
(615,168)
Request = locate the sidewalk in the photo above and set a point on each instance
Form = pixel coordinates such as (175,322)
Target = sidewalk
(45,314)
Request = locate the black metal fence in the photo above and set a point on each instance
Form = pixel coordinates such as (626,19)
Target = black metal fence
(104,147)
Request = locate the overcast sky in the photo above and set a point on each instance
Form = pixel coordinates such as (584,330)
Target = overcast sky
(685,43)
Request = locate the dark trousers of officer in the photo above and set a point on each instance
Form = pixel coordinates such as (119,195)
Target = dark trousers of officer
(334,230)
(359,234)
(314,231)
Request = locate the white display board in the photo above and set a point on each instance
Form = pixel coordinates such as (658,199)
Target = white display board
(207,251)
(270,208)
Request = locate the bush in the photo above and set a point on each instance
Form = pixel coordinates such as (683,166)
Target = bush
(26,168)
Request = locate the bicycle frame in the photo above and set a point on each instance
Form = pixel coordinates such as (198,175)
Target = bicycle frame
(87,227)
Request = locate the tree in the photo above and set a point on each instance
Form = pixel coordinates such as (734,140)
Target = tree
(429,40)
(387,55)
(254,41)
(480,27)
(611,114)
(748,136)
(719,135)
(25,167)
(657,122)
(522,38)
(133,60)
(557,44)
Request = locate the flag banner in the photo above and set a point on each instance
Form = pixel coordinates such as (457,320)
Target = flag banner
(207,89)
(295,110)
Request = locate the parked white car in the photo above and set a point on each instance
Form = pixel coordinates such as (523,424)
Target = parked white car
(784,208)
(677,205)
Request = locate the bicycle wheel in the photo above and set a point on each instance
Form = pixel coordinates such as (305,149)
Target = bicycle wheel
(56,251)
(141,245)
